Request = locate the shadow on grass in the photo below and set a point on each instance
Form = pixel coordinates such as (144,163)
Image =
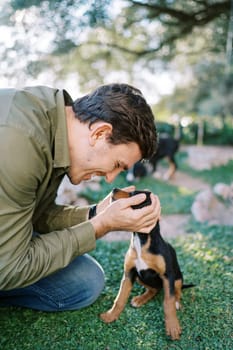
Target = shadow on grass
(205,257)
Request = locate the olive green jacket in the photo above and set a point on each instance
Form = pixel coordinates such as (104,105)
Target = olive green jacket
(33,160)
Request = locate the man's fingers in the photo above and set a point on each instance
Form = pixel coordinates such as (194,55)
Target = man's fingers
(121,215)
(137,199)
(129,188)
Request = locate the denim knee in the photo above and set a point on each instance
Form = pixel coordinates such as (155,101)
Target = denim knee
(93,283)
(76,286)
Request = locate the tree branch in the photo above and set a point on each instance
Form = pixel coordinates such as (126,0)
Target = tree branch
(202,16)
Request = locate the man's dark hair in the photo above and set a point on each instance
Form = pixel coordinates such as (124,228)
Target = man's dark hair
(125,108)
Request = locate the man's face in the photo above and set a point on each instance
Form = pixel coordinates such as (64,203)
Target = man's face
(104,160)
(91,154)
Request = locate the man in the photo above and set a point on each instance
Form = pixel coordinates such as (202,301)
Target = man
(43,136)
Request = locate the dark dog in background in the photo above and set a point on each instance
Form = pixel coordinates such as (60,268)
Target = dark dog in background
(167,148)
(153,263)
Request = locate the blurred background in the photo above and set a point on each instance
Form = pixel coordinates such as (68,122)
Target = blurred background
(179,53)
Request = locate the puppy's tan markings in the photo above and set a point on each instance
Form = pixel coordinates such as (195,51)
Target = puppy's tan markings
(120,301)
(178,293)
(142,299)
(171,321)
(123,293)
(171,170)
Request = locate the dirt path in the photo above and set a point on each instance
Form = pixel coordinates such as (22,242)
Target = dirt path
(184,180)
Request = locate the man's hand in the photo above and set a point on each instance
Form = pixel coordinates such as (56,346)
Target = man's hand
(107,200)
(119,215)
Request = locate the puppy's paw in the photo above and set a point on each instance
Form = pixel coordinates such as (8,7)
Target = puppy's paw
(173,329)
(108,317)
(137,301)
(166,177)
(144,298)
(157,175)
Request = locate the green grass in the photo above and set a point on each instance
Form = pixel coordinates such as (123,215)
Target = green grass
(205,256)
(206,317)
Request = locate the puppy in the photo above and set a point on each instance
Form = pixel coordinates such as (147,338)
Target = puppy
(153,263)
(167,148)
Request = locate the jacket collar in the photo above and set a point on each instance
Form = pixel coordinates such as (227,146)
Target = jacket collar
(61,148)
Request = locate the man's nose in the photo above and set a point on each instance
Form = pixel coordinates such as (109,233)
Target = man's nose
(110,177)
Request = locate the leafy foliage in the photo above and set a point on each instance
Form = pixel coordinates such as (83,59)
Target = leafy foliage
(176,19)
(96,42)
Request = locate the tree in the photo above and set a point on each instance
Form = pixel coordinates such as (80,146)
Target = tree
(98,37)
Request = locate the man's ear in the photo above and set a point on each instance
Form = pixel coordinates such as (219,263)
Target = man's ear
(98,131)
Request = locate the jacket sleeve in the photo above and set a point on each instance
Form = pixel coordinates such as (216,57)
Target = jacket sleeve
(58,217)
(25,258)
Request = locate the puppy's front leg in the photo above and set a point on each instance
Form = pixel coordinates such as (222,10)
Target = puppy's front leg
(120,301)
(171,321)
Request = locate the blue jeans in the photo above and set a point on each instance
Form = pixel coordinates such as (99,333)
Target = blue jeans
(74,287)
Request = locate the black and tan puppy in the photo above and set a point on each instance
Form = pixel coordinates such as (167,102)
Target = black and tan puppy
(153,263)
(167,148)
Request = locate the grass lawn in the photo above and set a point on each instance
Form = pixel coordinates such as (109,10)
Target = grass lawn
(206,259)
(206,317)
